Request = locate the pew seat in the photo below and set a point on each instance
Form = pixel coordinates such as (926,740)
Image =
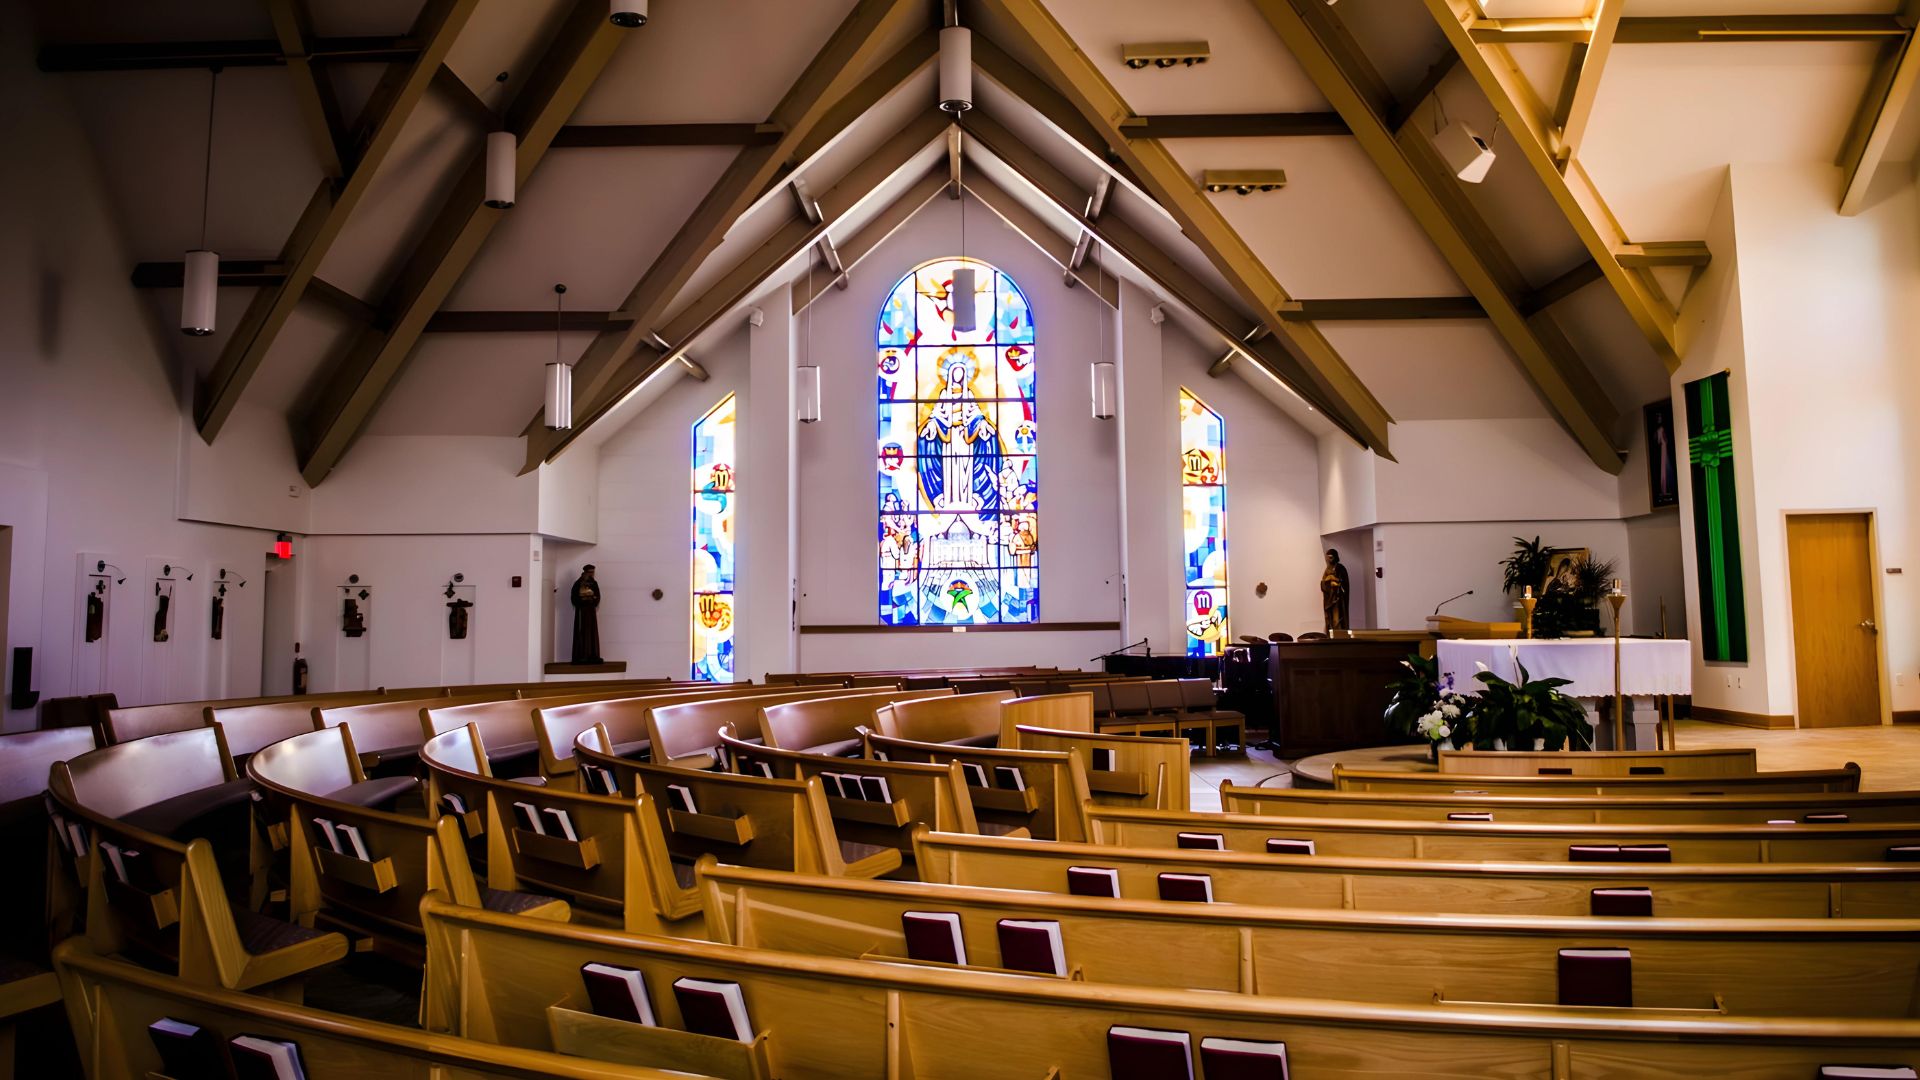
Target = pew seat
(180,816)
(377,793)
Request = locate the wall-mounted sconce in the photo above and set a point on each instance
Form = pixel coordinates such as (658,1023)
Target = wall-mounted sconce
(457,579)
(103,566)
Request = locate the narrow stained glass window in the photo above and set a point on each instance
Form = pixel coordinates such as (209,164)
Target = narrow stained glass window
(1203,497)
(957,453)
(714,506)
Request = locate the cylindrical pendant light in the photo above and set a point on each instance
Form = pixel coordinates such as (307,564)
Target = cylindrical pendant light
(964,309)
(199,299)
(559,375)
(1106,388)
(502,149)
(627,14)
(956,69)
(806,394)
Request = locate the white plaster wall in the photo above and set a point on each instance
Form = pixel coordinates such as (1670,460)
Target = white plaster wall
(429,484)
(1427,562)
(1490,470)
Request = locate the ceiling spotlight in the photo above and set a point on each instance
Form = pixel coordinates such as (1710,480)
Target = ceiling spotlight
(1465,152)
(1242,181)
(1165,54)
(628,14)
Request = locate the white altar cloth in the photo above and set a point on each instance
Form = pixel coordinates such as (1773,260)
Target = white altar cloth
(1647,667)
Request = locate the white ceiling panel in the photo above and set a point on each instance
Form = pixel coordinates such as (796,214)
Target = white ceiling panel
(1436,369)
(436,144)
(1249,70)
(471,384)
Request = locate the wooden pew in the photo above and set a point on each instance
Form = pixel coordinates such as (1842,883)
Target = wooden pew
(387,732)
(1572,809)
(917,793)
(1846,778)
(41,899)
(167,897)
(1139,770)
(1050,802)
(964,719)
(110,1005)
(751,820)
(821,1017)
(556,726)
(140,721)
(1484,841)
(1733,761)
(1061,711)
(830,725)
(506,725)
(1315,881)
(687,734)
(1749,967)
(315,776)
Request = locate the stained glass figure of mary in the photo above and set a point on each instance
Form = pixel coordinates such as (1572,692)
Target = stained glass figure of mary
(958,446)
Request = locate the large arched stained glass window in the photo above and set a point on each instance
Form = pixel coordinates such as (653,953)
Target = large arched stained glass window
(1203,497)
(713,516)
(958,436)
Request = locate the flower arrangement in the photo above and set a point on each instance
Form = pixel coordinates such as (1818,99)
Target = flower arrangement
(1424,704)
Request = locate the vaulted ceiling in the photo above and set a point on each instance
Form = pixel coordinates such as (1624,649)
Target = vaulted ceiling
(671,174)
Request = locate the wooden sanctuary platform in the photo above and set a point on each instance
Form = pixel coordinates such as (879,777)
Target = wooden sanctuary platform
(1317,771)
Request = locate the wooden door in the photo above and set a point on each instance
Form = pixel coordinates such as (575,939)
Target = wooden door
(1836,640)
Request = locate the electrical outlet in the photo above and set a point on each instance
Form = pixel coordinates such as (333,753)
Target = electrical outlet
(1729,678)
(1899,678)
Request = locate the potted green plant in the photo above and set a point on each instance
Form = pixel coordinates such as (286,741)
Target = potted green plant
(1569,603)
(1530,712)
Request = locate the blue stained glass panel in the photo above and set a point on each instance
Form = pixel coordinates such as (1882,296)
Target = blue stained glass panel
(714,511)
(1203,498)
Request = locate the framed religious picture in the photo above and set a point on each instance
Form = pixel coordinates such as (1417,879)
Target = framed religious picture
(1663,480)
(1563,566)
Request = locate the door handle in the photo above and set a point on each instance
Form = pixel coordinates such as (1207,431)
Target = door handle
(1869,626)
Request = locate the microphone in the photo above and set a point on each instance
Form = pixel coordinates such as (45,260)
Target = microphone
(1449,600)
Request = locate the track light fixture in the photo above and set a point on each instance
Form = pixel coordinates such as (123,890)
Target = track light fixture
(1242,181)
(1165,54)
(627,14)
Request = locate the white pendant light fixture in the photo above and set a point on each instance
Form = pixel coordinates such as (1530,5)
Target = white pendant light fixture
(502,150)
(806,377)
(961,293)
(1106,376)
(200,297)
(956,69)
(559,375)
(627,14)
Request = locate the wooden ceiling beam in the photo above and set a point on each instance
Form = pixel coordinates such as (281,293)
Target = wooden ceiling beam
(1581,87)
(520,322)
(1234,125)
(463,97)
(630,135)
(1313,33)
(1384,308)
(871,235)
(810,114)
(1542,31)
(1666,253)
(1567,183)
(1888,98)
(1130,244)
(264,52)
(333,418)
(1641,30)
(1583,274)
(326,214)
(1316,372)
(312,95)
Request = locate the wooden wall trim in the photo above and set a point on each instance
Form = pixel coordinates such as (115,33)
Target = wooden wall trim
(1742,719)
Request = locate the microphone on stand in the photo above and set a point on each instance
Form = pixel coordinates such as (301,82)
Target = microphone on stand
(1449,600)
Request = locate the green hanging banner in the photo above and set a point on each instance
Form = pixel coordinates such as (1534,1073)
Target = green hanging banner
(1716,520)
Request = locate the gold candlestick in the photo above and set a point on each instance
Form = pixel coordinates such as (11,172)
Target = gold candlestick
(1615,599)
(1527,603)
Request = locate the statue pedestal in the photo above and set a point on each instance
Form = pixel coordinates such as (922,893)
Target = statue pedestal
(605,667)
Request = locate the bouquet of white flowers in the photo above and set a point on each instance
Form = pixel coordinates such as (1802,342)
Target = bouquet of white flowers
(1449,706)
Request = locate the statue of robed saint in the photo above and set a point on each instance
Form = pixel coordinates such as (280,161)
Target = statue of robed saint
(1334,591)
(585,595)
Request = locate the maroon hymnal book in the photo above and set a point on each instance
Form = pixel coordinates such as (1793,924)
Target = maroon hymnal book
(1904,853)
(1242,1059)
(680,797)
(1646,853)
(1147,1054)
(259,1057)
(1188,888)
(710,1007)
(601,780)
(1202,841)
(1093,881)
(1782,821)
(1833,818)
(1280,845)
(453,803)
(529,816)
(1622,902)
(1593,852)
(1601,977)
(874,788)
(1032,945)
(1471,815)
(836,786)
(618,993)
(352,843)
(756,768)
(976,776)
(1103,759)
(1868,1072)
(1009,777)
(935,936)
(327,835)
(562,822)
(189,1051)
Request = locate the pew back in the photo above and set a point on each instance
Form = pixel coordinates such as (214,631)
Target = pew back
(1049,801)
(1124,770)
(249,727)
(140,721)
(973,719)
(830,725)
(1730,761)
(1487,841)
(1846,778)
(25,757)
(1677,891)
(916,792)
(115,780)
(1571,809)
(381,728)
(518,982)
(687,733)
(1061,711)
(1755,967)
(557,725)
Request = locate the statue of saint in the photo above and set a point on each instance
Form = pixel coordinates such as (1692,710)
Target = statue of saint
(457,618)
(1334,590)
(585,595)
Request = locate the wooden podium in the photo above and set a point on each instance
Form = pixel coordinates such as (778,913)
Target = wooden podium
(1447,626)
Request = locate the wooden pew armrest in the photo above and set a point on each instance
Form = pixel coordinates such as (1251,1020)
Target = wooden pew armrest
(589,1035)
